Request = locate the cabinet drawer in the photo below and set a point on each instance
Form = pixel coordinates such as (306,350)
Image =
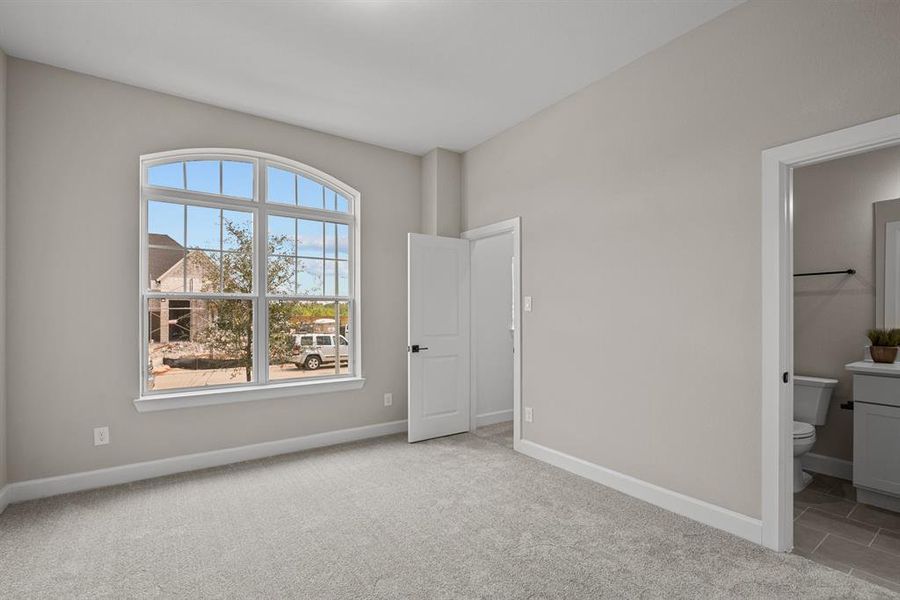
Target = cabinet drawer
(877,390)
(876,447)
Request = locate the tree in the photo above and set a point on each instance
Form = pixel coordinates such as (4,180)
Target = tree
(229,329)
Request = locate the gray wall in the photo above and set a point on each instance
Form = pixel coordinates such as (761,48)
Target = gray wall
(429,192)
(834,229)
(3,428)
(74,143)
(640,198)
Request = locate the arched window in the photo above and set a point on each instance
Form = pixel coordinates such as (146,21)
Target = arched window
(249,276)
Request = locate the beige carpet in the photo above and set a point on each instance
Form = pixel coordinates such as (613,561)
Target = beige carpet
(458,517)
(501,433)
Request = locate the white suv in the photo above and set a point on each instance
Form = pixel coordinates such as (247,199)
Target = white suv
(312,350)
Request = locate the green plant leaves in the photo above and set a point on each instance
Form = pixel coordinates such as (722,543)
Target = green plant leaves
(884,337)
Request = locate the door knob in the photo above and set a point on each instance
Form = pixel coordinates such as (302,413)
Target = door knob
(416,348)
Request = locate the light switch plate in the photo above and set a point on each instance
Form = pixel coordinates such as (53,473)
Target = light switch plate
(527,303)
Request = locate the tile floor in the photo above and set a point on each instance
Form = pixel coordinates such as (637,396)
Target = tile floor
(831,528)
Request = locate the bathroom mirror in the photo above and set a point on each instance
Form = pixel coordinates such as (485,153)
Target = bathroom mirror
(887,263)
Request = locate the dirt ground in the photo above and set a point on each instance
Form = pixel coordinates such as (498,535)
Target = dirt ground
(195,378)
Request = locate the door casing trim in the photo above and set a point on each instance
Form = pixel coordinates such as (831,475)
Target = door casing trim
(778,308)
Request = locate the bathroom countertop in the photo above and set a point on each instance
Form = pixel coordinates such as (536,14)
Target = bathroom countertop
(866,367)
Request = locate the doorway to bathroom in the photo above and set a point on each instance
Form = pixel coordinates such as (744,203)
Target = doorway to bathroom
(845,215)
(827,205)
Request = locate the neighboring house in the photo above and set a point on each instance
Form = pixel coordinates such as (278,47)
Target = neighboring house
(174,270)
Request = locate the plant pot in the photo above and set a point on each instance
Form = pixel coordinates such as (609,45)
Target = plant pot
(884,354)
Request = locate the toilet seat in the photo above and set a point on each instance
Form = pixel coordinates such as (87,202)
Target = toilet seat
(803,431)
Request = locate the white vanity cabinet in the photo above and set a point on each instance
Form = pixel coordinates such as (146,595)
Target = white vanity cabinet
(876,447)
(876,433)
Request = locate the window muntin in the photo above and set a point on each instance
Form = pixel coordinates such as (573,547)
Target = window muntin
(218,255)
(204,253)
(200,342)
(308,257)
(291,188)
(232,178)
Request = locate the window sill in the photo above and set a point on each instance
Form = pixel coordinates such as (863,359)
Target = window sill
(191,399)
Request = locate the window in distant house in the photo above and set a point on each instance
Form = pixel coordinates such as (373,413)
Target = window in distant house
(248,272)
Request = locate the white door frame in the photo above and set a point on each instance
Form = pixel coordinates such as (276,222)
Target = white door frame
(778,308)
(513,226)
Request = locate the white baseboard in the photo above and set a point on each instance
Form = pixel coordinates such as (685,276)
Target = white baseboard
(704,512)
(828,465)
(698,510)
(63,484)
(491,418)
(5,494)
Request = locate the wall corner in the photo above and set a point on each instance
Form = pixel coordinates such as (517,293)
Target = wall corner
(442,193)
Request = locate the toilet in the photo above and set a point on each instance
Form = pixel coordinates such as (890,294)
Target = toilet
(812,397)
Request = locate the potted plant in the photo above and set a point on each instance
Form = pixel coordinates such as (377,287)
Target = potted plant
(884,344)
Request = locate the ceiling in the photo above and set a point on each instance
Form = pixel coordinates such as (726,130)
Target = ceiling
(406,75)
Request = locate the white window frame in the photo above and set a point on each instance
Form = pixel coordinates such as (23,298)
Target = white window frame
(260,388)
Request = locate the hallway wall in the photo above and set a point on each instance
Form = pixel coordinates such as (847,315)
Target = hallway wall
(641,205)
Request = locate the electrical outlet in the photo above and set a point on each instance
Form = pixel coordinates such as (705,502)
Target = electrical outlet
(101,436)
(527,303)
(529,414)
(388,399)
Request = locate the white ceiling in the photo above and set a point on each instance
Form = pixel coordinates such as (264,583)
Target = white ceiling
(405,75)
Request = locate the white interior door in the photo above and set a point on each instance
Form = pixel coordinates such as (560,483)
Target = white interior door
(438,336)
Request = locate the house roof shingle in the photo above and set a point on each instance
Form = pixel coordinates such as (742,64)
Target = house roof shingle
(164,254)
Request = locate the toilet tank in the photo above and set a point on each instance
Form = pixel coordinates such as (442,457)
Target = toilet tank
(812,397)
